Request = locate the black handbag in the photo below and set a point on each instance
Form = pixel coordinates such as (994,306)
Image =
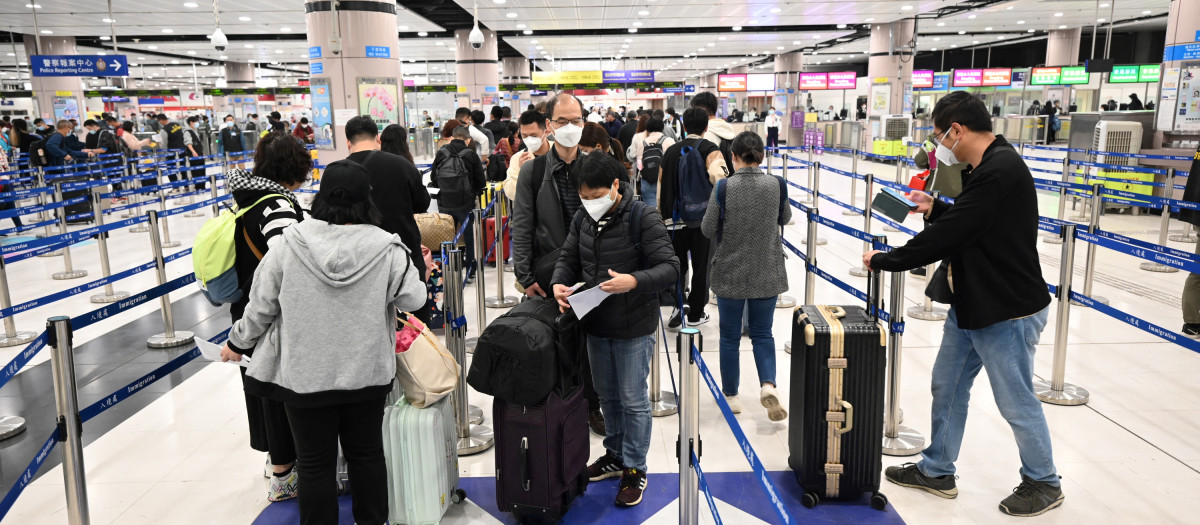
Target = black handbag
(938,288)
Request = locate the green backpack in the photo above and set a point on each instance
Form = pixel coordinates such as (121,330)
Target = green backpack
(214,254)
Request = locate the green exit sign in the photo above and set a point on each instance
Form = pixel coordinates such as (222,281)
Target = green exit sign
(1149,73)
(1123,74)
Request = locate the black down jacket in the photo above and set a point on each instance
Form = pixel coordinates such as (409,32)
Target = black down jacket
(589,254)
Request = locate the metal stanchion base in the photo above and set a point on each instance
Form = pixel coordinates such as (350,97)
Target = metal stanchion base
(471,342)
(194,213)
(908,442)
(860,272)
(141,228)
(508,267)
(785,301)
(55,253)
(1155,267)
(1080,218)
(849,213)
(791,222)
(1070,395)
(507,301)
(918,312)
(162,341)
(820,241)
(106,298)
(481,439)
(63,276)
(11,426)
(18,338)
(474,415)
(1052,240)
(887,228)
(171,244)
(665,406)
(1183,237)
(1097,298)
(787,347)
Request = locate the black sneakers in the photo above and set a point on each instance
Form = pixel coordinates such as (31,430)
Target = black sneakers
(1032,498)
(908,475)
(1191,330)
(633,484)
(608,466)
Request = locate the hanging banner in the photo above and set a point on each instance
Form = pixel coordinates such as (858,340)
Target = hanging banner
(378,97)
(322,111)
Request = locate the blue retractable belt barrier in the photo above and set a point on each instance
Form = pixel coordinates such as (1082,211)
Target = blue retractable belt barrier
(85,320)
(28,474)
(1137,322)
(703,484)
(20,360)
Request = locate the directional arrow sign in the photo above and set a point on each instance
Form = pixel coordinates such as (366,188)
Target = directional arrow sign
(79,65)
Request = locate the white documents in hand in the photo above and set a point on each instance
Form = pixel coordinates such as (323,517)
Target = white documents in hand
(212,352)
(587,300)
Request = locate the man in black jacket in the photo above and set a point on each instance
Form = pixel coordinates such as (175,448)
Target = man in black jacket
(396,189)
(601,250)
(999,305)
(1191,286)
(458,174)
(628,130)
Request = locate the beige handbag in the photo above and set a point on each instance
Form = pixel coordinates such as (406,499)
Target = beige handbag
(425,370)
(435,229)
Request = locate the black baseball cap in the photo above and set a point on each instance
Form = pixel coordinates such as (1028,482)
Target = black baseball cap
(346,181)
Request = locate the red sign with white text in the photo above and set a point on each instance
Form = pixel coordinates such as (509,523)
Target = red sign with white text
(997,77)
(814,81)
(843,80)
(922,79)
(730,83)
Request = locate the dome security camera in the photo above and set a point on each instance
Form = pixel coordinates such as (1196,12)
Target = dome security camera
(219,41)
(476,37)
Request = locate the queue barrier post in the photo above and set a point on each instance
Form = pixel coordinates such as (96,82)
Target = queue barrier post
(500,300)
(44,216)
(212,183)
(1057,391)
(1090,264)
(504,210)
(853,183)
(662,403)
(472,438)
(481,283)
(869,180)
(813,167)
(1084,214)
(926,311)
(898,440)
(170,338)
(689,443)
(1162,236)
(814,183)
(70,425)
(69,271)
(140,201)
(810,274)
(1187,235)
(1050,238)
(771,152)
(11,336)
(109,294)
(162,207)
(785,180)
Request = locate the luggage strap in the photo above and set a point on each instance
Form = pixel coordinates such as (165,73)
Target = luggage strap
(840,414)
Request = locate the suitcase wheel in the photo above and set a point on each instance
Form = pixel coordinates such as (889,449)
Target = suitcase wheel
(879,501)
(460,495)
(810,499)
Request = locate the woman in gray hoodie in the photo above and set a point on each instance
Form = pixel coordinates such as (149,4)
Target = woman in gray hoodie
(322,325)
(747,270)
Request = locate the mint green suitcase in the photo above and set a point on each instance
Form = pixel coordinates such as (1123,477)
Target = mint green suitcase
(421,448)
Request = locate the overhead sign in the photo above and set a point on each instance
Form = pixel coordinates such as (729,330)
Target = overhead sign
(436,89)
(79,65)
(968,77)
(760,82)
(814,81)
(843,80)
(1181,52)
(731,83)
(567,77)
(1045,76)
(1075,75)
(128,93)
(379,52)
(225,92)
(16,94)
(997,77)
(1123,74)
(1149,73)
(631,75)
(922,79)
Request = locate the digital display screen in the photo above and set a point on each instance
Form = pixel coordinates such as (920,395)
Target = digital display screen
(922,79)
(760,82)
(1045,76)
(968,77)
(731,83)
(1123,74)
(844,80)
(1075,75)
(997,77)
(814,81)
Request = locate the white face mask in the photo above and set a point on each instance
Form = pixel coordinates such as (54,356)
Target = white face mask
(568,136)
(533,143)
(944,154)
(596,208)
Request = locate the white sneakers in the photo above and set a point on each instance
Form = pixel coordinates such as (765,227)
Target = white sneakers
(770,401)
(735,405)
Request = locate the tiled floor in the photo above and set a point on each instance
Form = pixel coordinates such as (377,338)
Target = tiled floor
(1129,456)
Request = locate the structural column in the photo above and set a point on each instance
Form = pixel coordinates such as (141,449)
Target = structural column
(516,70)
(1183,23)
(356,50)
(1062,47)
(478,69)
(66,91)
(891,61)
(787,77)
(238,75)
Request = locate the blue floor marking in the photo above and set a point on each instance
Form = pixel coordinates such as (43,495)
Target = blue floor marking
(596,505)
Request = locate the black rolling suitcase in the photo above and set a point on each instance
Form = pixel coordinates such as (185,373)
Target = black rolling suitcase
(541,456)
(836,432)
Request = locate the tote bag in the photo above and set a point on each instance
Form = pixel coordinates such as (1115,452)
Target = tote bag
(425,370)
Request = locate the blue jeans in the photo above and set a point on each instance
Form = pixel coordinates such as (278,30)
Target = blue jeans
(1006,349)
(649,192)
(620,368)
(761,314)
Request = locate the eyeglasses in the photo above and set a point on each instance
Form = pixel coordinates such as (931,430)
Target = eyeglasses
(560,122)
(938,141)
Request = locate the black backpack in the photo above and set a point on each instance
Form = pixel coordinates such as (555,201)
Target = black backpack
(652,156)
(527,353)
(454,185)
(37,154)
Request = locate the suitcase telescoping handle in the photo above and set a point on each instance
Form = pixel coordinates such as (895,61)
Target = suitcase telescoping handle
(525,463)
(874,294)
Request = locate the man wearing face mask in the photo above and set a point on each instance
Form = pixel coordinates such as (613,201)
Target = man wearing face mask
(992,280)
(620,245)
(41,129)
(195,150)
(534,138)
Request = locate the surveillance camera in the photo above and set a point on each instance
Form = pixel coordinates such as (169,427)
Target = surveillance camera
(219,41)
(335,46)
(476,37)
